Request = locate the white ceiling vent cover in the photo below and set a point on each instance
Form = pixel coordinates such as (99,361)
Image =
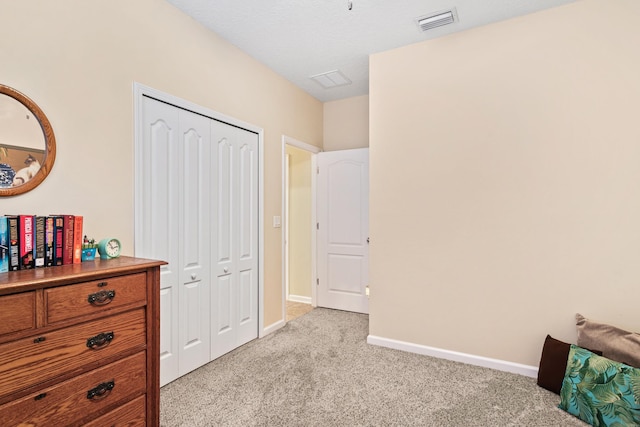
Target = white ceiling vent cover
(331,79)
(438,19)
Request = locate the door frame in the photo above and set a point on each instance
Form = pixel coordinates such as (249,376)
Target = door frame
(313,150)
(139,92)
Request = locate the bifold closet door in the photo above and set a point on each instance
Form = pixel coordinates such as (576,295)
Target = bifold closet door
(176,228)
(234,295)
(199,212)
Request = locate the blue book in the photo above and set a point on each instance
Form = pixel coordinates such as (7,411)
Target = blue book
(4,245)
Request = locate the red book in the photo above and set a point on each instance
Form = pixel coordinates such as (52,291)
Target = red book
(26,239)
(58,239)
(67,238)
(77,239)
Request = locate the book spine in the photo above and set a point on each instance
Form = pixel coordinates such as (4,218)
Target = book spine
(58,239)
(67,241)
(39,238)
(14,249)
(77,239)
(4,245)
(49,241)
(26,241)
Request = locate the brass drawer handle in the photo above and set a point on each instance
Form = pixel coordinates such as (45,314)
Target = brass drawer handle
(101,391)
(101,298)
(100,341)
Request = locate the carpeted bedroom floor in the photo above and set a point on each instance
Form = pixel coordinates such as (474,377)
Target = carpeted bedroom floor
(319,371)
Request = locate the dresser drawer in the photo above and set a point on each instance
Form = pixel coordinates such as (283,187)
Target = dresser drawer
(131,414)
(17,312)
(29,361)
(67,302)
(92,393)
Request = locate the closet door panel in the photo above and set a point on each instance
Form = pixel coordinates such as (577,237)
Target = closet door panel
(235,238)
(247,265)
(160,215)
(195,310)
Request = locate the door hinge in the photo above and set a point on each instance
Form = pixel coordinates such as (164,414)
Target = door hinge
(317,226)
(317,170)
(318,281)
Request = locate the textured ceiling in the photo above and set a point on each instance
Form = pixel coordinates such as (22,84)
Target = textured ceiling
(301,38)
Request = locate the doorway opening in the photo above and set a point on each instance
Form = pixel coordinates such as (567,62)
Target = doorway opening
(298,227)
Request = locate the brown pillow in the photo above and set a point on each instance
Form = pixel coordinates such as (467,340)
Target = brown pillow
(553,363)
(615,343)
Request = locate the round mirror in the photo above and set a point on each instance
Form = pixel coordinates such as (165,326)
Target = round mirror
(27,143)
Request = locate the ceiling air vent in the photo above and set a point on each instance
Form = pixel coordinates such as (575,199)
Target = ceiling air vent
(438,19)
(331,79)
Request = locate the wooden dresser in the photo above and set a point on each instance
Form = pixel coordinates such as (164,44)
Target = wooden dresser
(79,344)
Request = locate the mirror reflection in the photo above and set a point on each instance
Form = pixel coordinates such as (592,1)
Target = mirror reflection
(22,145)
(27,144)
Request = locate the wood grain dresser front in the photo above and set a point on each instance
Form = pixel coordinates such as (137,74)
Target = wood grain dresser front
(79,344)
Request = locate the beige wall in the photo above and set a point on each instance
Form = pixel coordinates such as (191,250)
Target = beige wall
(299,222)
(346,123)
(78,60)
(505,182)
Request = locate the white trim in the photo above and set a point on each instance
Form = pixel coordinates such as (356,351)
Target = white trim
(274,327)
(500,365)
(314,232)
(286,214)
(298,298)
(261,329)
(139,91)
(286,140)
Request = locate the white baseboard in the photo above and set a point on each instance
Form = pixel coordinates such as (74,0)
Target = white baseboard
(500,365)
(298,298)
(272,328)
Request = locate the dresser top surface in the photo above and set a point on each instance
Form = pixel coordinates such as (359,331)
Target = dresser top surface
(24,280)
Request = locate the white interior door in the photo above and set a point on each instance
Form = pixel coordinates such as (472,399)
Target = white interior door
(343,230)
(234,297)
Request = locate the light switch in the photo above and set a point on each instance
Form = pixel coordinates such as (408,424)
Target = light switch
(276,222)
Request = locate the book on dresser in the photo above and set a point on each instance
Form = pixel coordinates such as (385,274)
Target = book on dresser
(49,241)
(58,239)
(4,245)
(39,241)
(14,250)
(68,222)
(26,241)
(77,238)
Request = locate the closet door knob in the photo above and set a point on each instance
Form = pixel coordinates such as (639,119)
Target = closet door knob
(193,276)
(226,269)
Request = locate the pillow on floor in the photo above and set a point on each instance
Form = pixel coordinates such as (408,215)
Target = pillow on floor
(553,363)
(615,343)
(600,391)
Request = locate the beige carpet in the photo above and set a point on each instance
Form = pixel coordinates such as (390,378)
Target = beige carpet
(319,371)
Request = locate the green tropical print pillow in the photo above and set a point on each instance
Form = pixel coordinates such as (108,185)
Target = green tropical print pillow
(600,391)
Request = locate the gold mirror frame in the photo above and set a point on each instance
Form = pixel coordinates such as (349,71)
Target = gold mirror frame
(49,140)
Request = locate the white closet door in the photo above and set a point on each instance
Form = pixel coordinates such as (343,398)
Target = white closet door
(199,212)
(160,190)
(194,225)
(234,298)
